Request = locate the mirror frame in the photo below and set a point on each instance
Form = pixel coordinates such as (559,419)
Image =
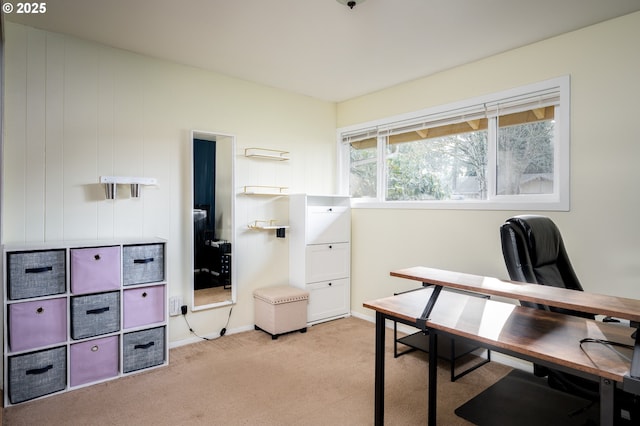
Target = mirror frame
(213,136)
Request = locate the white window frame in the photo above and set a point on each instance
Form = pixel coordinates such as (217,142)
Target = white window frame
(559,200)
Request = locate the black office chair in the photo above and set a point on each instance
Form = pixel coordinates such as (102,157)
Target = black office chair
(534,252)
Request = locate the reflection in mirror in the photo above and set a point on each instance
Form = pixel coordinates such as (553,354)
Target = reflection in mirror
(213,157)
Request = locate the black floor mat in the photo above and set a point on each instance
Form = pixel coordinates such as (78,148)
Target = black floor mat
(523,399)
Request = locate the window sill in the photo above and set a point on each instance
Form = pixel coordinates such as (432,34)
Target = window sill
(551,205)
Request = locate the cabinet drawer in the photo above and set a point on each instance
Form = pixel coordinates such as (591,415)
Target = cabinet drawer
(95,269)
(36,374)
(36,273)
(328,299)
(37,323)
(327,262)
(142,264)
(93,360)
(143,349)
(95,314)
(143,306)
(326,224)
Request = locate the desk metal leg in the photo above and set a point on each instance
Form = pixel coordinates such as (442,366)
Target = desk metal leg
(379,378)
(607,390)
(433,378)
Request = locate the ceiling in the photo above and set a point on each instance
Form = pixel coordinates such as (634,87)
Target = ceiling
(321,48)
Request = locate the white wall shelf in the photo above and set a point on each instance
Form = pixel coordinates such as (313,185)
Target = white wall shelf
(267,154)
(265,190)
(111,182)
(261,225)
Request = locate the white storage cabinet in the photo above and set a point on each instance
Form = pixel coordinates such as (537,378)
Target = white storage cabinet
(81,313)
(320,253)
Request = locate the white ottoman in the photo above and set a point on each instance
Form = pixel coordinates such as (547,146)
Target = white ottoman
(280,309)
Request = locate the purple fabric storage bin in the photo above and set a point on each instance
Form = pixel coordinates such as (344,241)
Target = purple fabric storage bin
(144,305)
(37,323)
(95,269)
(93,360)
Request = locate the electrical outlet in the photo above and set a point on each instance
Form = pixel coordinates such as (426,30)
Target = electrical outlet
(175,303)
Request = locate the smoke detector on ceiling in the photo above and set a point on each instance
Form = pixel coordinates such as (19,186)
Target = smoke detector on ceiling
(350,3)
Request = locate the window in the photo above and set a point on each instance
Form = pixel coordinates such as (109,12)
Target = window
(509,150)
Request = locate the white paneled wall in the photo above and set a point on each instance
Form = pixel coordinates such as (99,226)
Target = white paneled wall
(75,111)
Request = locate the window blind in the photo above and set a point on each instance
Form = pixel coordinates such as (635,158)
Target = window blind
(525,108)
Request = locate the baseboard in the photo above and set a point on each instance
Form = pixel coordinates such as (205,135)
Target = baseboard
(195,339)
(312,323)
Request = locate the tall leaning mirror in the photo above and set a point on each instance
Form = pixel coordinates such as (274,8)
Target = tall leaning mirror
(213,230)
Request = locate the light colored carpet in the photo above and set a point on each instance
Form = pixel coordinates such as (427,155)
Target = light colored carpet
(322,377)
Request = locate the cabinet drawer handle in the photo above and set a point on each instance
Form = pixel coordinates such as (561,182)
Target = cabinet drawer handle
(97,311)
(40,310)
(146,346)
(39,370)
(330,284)
(96,257)
(94,348)
(144,294)
(38,270)
(147,260)
(330,247)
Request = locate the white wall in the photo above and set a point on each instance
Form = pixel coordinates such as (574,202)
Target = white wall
(75,110)
(601,230)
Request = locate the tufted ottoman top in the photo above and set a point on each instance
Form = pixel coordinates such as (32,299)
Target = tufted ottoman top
(280,294)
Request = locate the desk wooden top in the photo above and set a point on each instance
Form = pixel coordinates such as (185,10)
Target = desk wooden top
(597,304)
(543,335)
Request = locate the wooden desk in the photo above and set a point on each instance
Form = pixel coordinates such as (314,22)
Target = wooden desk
(597,304)
(542,337)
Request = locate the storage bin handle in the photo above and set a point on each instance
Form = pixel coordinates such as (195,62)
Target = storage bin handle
(39,370)
(147,260)
(147,346)
(97,311)
(38,270)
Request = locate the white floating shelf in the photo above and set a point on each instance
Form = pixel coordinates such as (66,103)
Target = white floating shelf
(267,154)
(111,182)
(266,224)
(129,180)
(265,190)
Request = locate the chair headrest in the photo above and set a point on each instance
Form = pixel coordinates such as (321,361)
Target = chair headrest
(542,238)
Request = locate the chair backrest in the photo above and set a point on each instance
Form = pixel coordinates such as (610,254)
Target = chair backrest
(534,252)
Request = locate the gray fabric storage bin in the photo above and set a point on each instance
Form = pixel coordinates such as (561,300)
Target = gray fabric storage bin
(95,314)
(142,264)
(36,374)
(143,349)
(36,273)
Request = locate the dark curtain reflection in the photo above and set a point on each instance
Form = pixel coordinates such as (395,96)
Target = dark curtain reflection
(204,187)
(204,178)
